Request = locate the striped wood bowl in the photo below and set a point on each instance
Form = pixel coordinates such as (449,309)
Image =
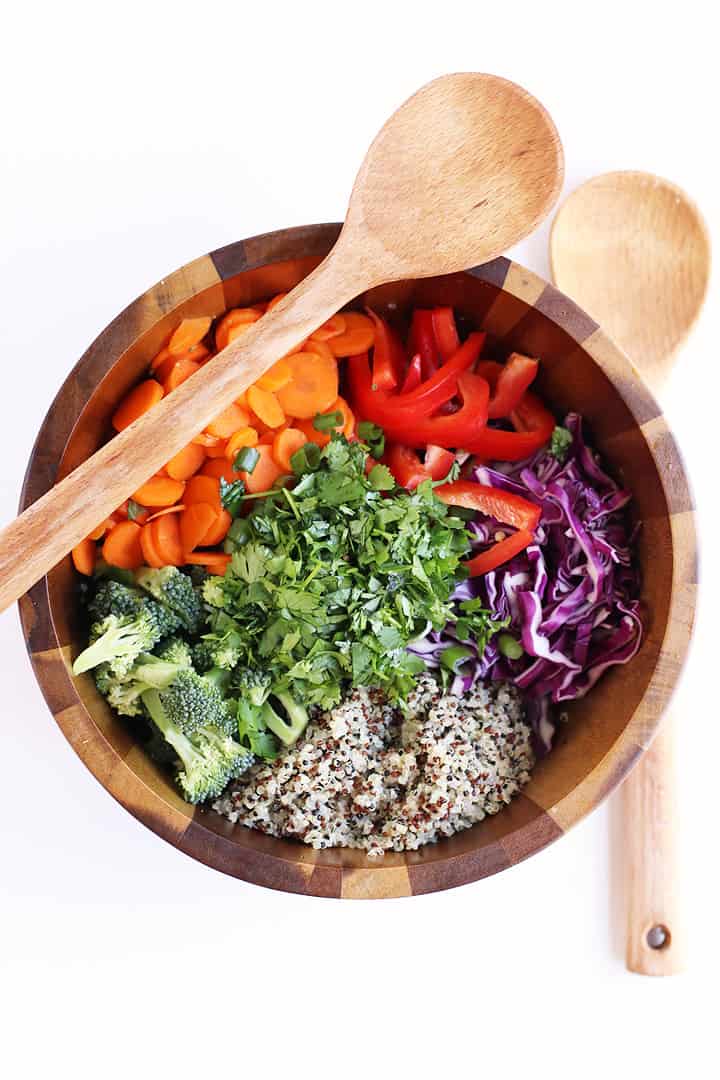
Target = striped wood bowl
(581,370)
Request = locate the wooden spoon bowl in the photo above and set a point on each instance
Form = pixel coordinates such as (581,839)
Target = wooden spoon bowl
(605,733)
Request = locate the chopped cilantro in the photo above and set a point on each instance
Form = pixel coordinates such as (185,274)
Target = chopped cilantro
(560,443)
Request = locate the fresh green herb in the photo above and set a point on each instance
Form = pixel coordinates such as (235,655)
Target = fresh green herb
(246,459)
(306,459)
(510,647)
(560,443)
(452,475)
(328,421)
(373,437)
(135,510)
(328,584)
(231,495)
(476,623)
(455,656)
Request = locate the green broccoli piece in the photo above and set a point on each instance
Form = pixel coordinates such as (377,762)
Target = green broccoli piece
(222,649)
(176,651)
(119,640)
(213,592)
(192,701)
(174,590)
(253,685)
(209,757)
(287,730)
(112,598)
(124,692)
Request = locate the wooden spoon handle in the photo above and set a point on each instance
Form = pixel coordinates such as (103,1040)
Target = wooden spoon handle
(655,943)
(52,526)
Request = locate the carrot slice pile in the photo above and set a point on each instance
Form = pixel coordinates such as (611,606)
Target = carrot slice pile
(190,332)
(186,463)
(138,401)
(285,444)
(314,385)
(122,546)
(357,337)
(159,491)
(196,521)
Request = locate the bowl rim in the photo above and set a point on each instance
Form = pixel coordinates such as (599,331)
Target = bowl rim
(182,825)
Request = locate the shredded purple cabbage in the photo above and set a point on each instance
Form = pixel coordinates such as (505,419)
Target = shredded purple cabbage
(571,597)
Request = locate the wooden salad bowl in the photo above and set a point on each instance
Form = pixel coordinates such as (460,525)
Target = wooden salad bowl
(606,732)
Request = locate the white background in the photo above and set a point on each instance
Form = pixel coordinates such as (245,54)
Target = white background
(135,137)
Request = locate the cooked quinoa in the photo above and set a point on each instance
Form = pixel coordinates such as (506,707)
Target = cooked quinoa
(365,776)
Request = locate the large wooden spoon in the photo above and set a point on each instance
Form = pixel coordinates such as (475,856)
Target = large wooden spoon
(464,169)
(633,250)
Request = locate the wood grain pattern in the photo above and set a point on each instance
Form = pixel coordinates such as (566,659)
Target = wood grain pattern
(634,250)
(465,168)
(605,732)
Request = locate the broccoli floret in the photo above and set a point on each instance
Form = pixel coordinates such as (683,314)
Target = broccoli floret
(124,691)
(221,649)
(112,598)
(209,757)
(119,641)
(253,685)
(202,655)
(287,730)
(176,651)
(213,592)
(174,590)
(192,701)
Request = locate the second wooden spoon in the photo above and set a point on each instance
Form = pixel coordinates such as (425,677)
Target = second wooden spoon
(633,250)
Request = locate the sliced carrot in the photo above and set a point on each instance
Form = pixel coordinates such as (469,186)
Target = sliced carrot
(236,319)
(198,354)
(190,332)
(176,509)
(181,371)
(266,406)
(275,301)
(278,376)
(159,491)
(228,422)
(186,463)
(166,536)
(102,528)
(334,326)
(204,489)
(218,530)
(285,444)
(245,436)
(121,513)
(150,552)
(122,546)
(219,467)
(314,385)
(242,401)
(357,337)
(322,438)
(141,398)
(216,561)
(83,557)
(196,520)
(159,359)
(204,439)
(268,437)
(217,451)
(265,473)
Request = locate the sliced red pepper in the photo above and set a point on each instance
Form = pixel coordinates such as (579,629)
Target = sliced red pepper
(445,331)
(406,425)
(514,379)
(534,425)
(405,465)
(413,375)
(388,355)
(438,461)
(440,387)
(507,507)
(499,553)
(422,340)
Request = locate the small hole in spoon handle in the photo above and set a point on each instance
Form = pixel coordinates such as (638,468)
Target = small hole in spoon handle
(658,937)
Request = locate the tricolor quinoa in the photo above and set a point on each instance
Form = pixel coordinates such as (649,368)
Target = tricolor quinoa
(365,776)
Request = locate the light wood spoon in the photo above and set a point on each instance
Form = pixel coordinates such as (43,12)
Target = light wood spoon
(468,166)
(634,252)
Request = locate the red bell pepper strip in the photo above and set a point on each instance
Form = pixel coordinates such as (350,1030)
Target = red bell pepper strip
(445,331)
(507,507)
(514,379)
(413,375)
(433,392)
(409,425)
(499,553)
(438,461)
(422,340)
(534,425)
(388,355)
(405,465)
